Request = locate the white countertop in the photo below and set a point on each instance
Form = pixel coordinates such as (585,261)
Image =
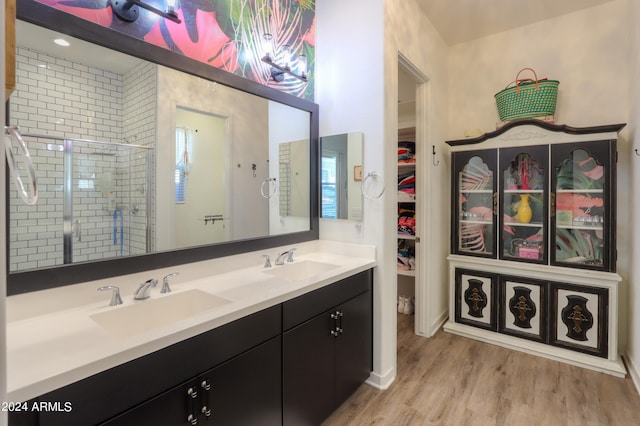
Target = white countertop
(53,342)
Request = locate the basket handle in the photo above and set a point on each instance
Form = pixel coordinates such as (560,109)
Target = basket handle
(518,80)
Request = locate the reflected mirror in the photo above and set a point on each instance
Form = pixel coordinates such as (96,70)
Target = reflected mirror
(341,176)
(134,158)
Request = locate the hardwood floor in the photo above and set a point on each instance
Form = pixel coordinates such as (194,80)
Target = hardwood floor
(451,380)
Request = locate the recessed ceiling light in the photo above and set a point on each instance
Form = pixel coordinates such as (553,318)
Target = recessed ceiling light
(61,42)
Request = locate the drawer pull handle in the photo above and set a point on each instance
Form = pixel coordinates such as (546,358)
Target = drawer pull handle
(192,393)
(192,419)
(206,411)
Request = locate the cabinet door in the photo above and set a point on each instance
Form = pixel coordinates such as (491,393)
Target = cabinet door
(353,346)
(476,298)
(308,365)
(243,391)
(523,206)
(523,308)
(474,203)
(579,318)
(583,205)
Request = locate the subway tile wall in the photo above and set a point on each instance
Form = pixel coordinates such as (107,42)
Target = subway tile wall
(59,98)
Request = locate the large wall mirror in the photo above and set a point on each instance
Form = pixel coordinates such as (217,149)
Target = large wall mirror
(147,159)
(341,176)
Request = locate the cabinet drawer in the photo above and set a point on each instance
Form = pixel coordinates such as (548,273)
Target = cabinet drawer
(111,392)
(311,304)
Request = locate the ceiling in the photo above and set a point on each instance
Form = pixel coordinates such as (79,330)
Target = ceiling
(459,21)
(40,39)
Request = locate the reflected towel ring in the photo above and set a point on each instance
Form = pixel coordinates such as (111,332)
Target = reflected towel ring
(29,197)
(275,188)
(375,176)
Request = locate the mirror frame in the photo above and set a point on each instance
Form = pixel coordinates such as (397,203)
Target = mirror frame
(34,280)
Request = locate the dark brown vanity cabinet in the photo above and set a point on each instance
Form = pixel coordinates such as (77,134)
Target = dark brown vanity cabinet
(292,363)
(241,361)
(221,395)
(327,349)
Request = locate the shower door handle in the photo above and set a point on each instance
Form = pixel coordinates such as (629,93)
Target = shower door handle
(77,230)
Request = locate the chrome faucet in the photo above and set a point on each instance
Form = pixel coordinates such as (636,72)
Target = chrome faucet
(115,296)
(165,282)
(288,255)
(267,260)
(143,291)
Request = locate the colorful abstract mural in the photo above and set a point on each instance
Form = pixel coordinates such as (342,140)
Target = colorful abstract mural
(232,35)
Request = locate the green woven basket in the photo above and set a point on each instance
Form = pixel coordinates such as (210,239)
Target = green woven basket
(528,98)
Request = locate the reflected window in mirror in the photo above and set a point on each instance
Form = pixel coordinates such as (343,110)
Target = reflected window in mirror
(341,176)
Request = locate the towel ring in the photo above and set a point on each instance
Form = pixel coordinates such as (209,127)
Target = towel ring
(375,176)
(637,153)
(29,197)
(262,189)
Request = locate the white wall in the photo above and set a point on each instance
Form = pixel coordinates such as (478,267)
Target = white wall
(410,34)
(246,118)
(633,342)
(356,86)
(206,183)
(288,125)
(350,91)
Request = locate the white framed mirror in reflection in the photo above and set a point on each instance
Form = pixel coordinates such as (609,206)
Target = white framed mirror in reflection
(136,158)
(341,176)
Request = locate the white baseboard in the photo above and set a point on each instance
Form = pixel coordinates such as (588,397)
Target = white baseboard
(439,322)
(382,382)
(632,369)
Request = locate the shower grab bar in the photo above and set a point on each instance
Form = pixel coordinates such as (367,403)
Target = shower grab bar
(29,197)
(63,138)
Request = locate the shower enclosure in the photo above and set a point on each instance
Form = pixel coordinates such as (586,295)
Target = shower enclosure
(94,203)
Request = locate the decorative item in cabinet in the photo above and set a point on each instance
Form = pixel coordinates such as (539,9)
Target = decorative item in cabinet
(474,203)
(579,318)
(523,308)
(583,205)
(524,203)
(475,297)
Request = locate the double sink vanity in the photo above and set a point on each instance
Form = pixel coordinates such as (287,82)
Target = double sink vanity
(235,341)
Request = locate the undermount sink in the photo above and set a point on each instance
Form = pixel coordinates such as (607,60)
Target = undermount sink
(155,312)
(300,270)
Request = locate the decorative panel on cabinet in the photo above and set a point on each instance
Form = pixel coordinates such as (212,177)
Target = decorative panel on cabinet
(533,244)
(579,318)
(523,308)
(476,298)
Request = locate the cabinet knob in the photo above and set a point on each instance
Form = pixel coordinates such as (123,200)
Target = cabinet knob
(206,411)
(334,333)
(205,385)
(339,330)
(192,419)
(192,393)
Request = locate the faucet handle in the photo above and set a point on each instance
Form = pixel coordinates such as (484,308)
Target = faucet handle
(290,256)
(165,282)
(115,296)
(267,260)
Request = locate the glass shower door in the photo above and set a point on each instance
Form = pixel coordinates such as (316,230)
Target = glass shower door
(106,209)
